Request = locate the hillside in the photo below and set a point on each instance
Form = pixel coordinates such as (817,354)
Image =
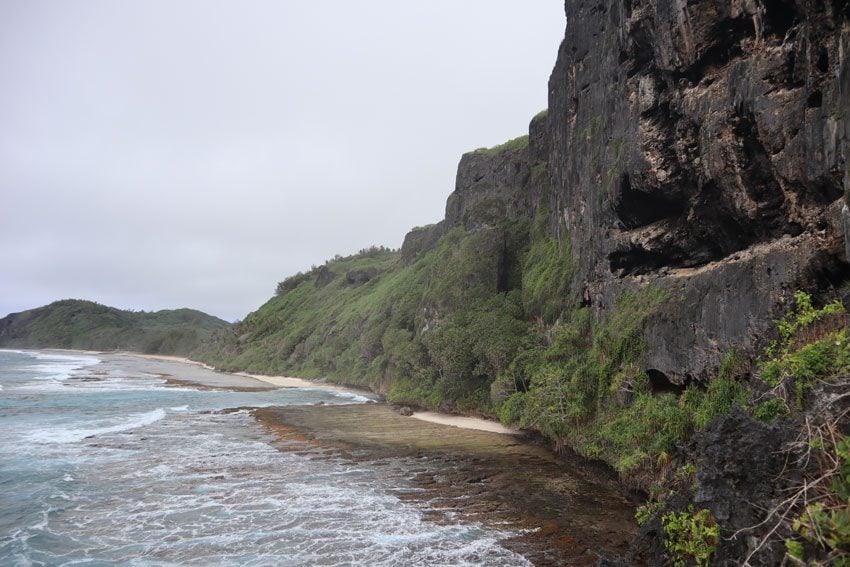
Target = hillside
(653,276)
(85,325)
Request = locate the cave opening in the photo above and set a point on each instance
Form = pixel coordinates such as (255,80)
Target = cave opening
(635,208)
(779,16)
(659,383)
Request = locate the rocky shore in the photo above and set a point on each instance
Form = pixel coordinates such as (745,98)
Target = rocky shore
(568,510)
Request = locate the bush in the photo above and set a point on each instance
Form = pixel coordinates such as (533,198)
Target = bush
(691,536)
(825,523)
(802,353)
(768,410)
(519,143)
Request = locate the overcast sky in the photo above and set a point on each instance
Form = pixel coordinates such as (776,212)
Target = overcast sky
(159,153)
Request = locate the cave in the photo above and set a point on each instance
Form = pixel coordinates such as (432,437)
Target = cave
(638,208)
(779,17)
(659,383)
(636,260)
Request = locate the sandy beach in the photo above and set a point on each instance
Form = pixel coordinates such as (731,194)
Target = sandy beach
(219,379)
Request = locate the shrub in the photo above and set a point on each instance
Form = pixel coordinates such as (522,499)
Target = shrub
(647,510)
(691,536)
(825,524)
(805,353)
(518,143)
(768,410)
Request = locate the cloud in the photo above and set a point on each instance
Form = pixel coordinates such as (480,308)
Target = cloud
(159,154)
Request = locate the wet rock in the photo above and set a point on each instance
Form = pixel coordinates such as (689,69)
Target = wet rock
(564,511)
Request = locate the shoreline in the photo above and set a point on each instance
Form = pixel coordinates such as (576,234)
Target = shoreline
(563,511)
(463,422)
(560,510)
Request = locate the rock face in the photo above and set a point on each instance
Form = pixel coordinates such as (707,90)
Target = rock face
(497,185)
(492,186)
(702,147)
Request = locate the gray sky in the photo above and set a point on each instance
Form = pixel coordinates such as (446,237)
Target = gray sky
(159,154)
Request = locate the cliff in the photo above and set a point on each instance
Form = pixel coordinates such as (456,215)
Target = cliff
(702,148)
(85,325)
(613,279)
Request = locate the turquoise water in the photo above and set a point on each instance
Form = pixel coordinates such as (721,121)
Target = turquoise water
(104,466)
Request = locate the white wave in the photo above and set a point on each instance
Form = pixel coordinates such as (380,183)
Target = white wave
(75,435)
(353,397)
(71,359)
(180,408)
(60,367)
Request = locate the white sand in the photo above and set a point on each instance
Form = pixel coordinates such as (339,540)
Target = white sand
(464,422)
(170,359)
(291,382)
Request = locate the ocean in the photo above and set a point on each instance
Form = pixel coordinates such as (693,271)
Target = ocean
(106,464)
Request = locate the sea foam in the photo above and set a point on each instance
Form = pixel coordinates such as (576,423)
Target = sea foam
(98,428)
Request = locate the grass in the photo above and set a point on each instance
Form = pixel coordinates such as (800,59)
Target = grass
(519,143)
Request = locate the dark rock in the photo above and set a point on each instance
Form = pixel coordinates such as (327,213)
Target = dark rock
(356,278)
(420,240)
(324,276)
(405,411)
(680,142)
(742,470)
(492,187)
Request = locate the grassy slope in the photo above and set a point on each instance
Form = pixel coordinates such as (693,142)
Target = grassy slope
(79,324)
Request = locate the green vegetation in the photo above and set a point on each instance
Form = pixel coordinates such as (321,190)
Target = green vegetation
(85,325)
(433,333)
(691,536)
(812,346)
(768,410)
(647,510)
(485,322)
(519,143)
(547,273)
(826,523)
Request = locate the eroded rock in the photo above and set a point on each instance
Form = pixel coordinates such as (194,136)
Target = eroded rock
(687,135)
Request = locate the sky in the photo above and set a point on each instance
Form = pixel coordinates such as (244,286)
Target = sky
(157,154)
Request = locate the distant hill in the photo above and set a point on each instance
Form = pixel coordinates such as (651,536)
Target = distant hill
(86,325)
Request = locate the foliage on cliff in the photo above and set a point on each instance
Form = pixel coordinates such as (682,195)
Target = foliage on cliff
(78,324)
